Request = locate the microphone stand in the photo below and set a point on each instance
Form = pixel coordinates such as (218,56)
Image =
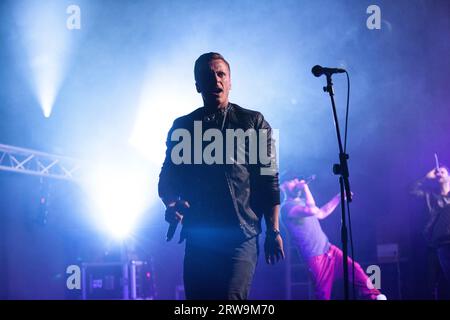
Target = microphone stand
(341,169)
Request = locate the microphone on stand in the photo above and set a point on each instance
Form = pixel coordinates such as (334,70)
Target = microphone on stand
(319,70)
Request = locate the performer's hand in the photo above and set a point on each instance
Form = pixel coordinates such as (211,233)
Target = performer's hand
(300,184)
(432,174)
(273,249)
(174,210)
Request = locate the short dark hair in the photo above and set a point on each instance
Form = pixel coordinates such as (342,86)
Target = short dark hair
(204,59)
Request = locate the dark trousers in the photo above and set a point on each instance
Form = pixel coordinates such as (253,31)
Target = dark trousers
(439,272)
(443,253)
(218,268)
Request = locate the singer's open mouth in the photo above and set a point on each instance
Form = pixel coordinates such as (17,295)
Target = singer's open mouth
(216,94)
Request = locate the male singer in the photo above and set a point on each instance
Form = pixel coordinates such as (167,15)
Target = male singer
(221,203)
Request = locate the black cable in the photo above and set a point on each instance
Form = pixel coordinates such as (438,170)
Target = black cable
(350,233)
(346,111)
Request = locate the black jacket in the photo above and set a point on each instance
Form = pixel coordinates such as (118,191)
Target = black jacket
(221,195)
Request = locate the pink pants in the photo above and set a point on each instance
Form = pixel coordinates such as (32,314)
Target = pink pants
(328,267)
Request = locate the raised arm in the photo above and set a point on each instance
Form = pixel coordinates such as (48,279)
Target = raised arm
(310,208)
(424,185)
(329,207)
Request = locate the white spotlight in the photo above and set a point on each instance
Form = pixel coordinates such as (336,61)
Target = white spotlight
(46,41)
(119,196)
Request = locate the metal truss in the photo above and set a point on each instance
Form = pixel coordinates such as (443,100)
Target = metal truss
(37,163)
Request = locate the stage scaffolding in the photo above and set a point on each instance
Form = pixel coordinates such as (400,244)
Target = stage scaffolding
(38,163)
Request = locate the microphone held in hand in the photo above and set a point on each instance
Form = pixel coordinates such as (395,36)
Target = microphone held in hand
(310,179)
(172,212)
(436,161)
(319,70)
(171,231)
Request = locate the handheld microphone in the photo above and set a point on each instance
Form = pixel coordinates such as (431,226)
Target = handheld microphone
(182,207)
(310,178)
(436,161)
(171,231)
(319,70)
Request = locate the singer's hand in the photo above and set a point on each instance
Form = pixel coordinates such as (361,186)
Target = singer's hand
(273,249)
(174,210)
(301,184)
(432,174)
